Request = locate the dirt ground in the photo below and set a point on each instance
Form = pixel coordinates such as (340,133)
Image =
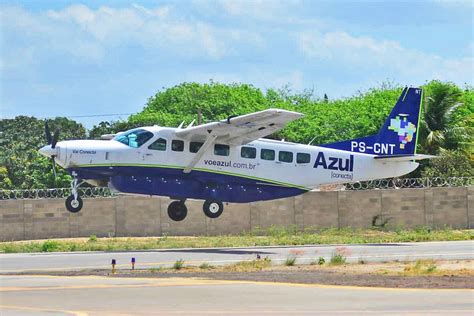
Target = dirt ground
(445,275)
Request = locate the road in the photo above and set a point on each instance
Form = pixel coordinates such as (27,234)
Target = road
(52,295)
(14,263)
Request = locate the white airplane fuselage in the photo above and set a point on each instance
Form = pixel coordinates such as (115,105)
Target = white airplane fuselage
(230,178)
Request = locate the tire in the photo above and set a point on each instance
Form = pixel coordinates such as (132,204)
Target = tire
(213,208)
(73,205)
(177,211)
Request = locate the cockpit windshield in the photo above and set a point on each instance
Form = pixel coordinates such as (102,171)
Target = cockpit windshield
(134,138)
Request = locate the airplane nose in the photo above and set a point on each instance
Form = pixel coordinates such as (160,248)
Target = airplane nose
(47,151)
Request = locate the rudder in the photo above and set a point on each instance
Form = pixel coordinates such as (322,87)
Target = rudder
(398,134)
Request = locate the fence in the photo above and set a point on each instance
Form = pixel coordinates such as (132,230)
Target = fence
(394,183)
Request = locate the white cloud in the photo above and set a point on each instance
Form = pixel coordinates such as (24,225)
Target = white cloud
(374,56)
(90,34)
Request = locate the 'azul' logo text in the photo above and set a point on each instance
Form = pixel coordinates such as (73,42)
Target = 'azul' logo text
(334,163)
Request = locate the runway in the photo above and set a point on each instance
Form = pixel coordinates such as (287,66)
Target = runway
(41,295)
(453,250)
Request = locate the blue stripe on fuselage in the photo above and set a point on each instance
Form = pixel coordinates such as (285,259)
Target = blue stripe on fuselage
(198,184)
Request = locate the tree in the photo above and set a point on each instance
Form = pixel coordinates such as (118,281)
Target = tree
(450,164)
(438,129)
(21,166)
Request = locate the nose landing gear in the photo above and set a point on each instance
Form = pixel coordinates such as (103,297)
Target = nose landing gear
(74,202)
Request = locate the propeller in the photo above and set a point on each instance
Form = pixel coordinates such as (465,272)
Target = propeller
(52,140)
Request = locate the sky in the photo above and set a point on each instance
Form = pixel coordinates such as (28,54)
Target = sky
(69,58)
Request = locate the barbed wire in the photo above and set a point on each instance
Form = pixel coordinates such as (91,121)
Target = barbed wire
(394,183)
(87,192)
(399,183)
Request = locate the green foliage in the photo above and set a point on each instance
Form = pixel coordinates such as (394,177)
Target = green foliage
(50,246)
(447,111)
(92,238)
(206,266)
(21,166)
(337,259)
(449,164)
(290,261)
(179,264)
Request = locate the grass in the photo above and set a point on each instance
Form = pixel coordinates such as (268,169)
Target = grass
(290,261)
(206,266)
(337,259)
(318,262)
(179,264)
(249,266)
(420,267)
(273,236)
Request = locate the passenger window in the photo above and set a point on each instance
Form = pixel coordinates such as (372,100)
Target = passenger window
(159,144)
(195,146)
(177,145)
(221,150)
(267,154)
(303,158)
(285,156)
(248,152)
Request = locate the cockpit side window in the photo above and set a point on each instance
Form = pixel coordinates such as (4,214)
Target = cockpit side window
(159,144)
(134,138)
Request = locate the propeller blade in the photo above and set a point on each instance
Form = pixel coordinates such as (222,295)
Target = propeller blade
(54,169)
(49,139)
(55,138)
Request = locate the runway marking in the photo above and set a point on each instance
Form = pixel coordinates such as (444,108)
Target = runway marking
(233,312)
(39,309)
(153,283)
(170,282)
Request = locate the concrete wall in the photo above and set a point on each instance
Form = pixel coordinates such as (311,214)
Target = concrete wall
(146,216)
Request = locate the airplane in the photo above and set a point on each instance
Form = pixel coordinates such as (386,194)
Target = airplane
(229,161)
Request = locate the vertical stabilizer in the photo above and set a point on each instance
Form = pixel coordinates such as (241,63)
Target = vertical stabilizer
(398,134)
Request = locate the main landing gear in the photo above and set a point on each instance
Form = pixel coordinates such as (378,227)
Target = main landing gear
(74,201)
(177,210)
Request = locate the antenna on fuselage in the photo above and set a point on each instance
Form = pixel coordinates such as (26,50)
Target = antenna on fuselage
(191,124)
(181,125)
(312,140)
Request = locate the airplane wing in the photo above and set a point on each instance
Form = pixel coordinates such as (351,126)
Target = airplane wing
(236,130)
(240,130)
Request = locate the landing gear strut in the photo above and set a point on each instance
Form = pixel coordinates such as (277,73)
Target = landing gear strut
(74,202)
(177,211)
(213,208)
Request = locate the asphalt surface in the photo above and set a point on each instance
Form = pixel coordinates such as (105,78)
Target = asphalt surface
(48,295)
(452,250)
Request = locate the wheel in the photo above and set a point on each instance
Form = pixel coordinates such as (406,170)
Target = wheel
(177,211)
(73,205)
(213,208)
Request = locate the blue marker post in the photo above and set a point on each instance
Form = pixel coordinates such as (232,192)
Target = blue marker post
(133,263)
(113,266)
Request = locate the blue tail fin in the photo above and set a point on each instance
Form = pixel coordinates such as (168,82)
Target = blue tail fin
(398,134)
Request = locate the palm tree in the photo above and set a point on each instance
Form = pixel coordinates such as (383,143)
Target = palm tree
(437,133)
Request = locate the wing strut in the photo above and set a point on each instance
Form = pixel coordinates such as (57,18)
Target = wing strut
(211,138)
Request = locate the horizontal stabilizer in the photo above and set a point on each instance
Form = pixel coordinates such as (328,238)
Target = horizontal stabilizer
(398,158)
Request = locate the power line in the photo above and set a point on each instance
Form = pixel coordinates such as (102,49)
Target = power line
(95,115)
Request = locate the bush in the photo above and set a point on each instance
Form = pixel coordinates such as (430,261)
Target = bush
(206,266)
(290,261)
(50,246)
(337,259)
(92,238)
(178,265)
